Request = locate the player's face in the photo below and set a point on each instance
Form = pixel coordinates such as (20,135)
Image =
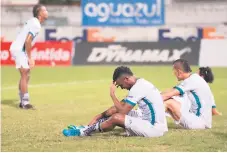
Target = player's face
(43,12)
(123,82)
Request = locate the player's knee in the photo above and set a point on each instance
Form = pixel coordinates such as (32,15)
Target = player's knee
(28,77)
(116,117)
(111,111)
(24,73)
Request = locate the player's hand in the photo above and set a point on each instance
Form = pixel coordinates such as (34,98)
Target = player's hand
(31,62)
(112,88)
(216,112)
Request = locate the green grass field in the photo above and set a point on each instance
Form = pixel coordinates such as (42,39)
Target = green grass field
(74,95)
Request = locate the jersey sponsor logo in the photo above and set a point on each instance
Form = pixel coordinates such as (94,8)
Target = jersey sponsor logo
(119,53)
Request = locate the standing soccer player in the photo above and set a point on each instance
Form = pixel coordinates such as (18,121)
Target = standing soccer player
(21,51)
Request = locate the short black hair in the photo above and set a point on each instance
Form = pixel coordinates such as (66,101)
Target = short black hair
(120,71)
(36,9)
(207,74)
(183,65)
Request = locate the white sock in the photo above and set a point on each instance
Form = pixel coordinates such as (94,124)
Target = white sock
(20,95)
(88,130)
(25,99)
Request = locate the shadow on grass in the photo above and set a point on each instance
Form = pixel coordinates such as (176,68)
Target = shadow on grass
(10,102)
(221,135)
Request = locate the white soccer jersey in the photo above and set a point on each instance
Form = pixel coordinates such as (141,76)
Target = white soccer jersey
(149,101)
(33,27)
(200,95)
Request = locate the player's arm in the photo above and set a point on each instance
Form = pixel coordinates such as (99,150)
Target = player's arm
(214,109)
(170,93)
(112,110)
(180,89)
(107,113)
(28,44)
(123,108)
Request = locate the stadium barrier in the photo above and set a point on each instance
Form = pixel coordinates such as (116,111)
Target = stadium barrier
(213,53)
(120,34)
(135,53)
(44,53)
(52,53)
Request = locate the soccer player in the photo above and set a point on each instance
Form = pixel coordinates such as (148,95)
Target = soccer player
(152,122)
(208,76)
(21,51)
(195,92)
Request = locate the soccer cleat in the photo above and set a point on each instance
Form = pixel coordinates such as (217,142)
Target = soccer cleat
(71,132)
(28,106)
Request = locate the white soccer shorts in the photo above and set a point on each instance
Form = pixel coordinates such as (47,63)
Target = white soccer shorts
(188,120)
(135,126)
(21,59)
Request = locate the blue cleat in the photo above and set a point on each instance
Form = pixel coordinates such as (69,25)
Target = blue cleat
(71,132)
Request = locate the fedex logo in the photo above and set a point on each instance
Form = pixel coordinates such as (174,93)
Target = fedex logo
(90,35)
(189,34)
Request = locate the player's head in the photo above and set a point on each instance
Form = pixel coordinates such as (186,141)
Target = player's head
(206,73)
(40,12)
(123,77)
(181,69)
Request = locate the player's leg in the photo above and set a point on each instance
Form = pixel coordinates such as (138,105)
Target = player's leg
(105,115)
(134,126)
(23,67)
(97,119)
(19,86)
(182,115)
(24,88)
(20,93)
(174,108)
(116,119)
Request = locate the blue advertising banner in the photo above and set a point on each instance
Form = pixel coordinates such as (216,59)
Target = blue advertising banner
(123,12)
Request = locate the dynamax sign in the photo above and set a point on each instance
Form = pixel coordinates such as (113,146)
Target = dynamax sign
(136,53)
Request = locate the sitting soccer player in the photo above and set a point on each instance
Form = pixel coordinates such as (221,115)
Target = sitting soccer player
(195,93)
(208,76)
(151,122)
